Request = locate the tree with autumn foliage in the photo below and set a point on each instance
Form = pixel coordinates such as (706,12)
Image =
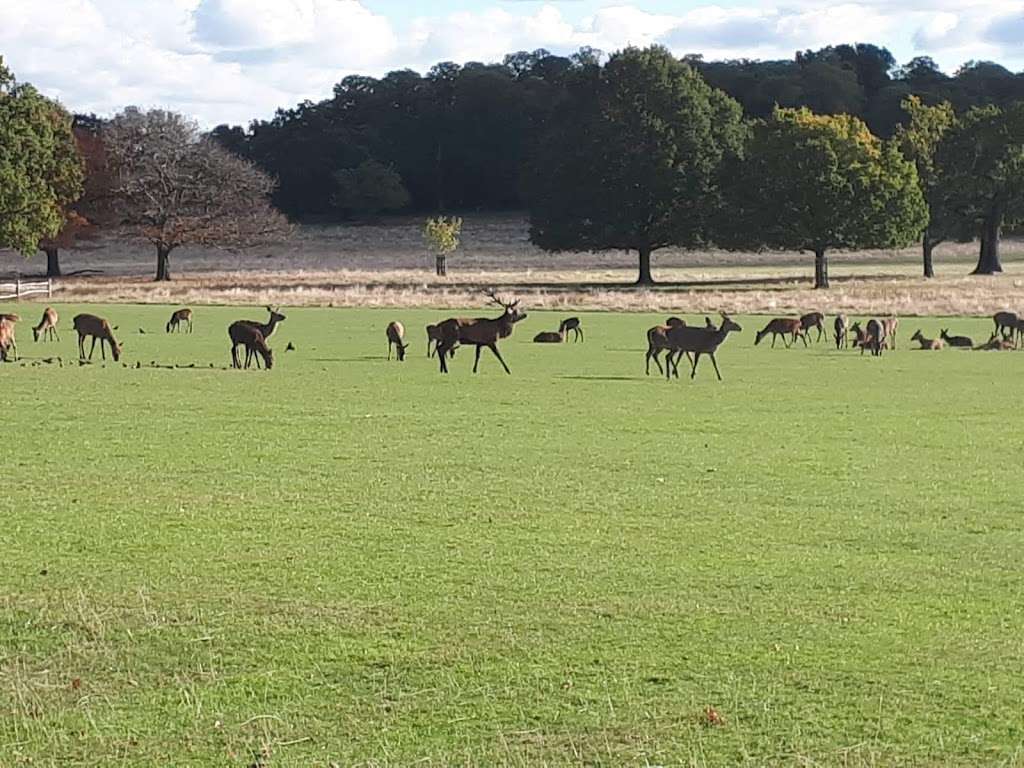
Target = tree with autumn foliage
(172,186)
(820,182)
(40,170)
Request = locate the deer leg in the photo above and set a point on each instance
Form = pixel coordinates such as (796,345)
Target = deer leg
(494,349)
(714,363)
(92,348)
(442,355)
(696,359)
(476,360)
(389,350)
(647,361)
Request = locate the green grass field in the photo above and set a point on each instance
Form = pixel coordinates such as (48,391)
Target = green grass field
(346,561)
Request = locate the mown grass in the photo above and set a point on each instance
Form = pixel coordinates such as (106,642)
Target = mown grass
(354,562)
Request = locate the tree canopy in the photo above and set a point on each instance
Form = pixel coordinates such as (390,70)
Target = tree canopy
(630,160)
(819,182)
(40,169)
(173,187)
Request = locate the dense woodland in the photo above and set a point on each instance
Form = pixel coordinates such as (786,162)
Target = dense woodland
(456,138)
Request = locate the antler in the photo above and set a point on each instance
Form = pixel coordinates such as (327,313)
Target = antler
(490,293)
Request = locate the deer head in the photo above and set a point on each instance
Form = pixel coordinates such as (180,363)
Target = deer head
(728,324)
(275,315)
(512,312)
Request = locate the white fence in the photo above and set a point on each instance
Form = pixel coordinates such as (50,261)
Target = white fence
(19,289)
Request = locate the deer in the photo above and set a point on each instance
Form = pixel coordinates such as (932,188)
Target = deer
(956,341)
(11,344)
(267,329)
(479,332)
(97,328)
(180,317)
(814,320)
(550,337)
(782,326)
(996,342)
(396,335)
(1006,323)
(875,338)
(927,343)
(47,328)
(657,340)
(244,333)
(1019,328)
(6,339)
(700,341)
(841,330)
(889,326)
(571,324)
(433,339)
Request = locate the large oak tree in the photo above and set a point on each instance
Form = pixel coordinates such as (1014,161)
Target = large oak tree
(174,187)
(631,158)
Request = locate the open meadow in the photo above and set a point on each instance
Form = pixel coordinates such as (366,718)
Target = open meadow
(349,561)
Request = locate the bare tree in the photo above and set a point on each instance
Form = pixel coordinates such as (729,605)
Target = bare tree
(174,187)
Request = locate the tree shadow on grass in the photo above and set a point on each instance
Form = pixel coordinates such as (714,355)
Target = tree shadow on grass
(601,378)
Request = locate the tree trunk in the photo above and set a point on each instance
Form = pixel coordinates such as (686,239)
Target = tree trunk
(644,277)
(988,256)
(927,246)
(441,263)
(820,268)
(163,263)
(52,262)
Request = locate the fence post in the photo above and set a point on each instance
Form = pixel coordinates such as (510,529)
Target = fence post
(17,288)
(49,287)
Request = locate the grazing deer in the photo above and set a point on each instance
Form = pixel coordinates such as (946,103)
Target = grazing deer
(243,333)
(889,326)
(97,328)
(700,341)
(996,342)
(47,328)
(181,316)
(550,337)
(1006,323)
(267,329)
(814,320)
(956,341)
(841,330)
(479,332)
(927,343)
(657,341)
(396,335)
(782,326)
(571,324)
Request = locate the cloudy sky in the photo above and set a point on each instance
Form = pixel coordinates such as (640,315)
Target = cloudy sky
(233,60)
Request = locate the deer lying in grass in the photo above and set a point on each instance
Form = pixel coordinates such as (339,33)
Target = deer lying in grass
(840,327)
(571,324)
(479,332)
(97,328)
(550,337)
(396,336)
(782,326)
(996,342)
(245,334)
(1006,323)
(179,318)
(814,320)
(927,343)
(47,328)
(699,341)
(6,339)
(657,341)
(963,342)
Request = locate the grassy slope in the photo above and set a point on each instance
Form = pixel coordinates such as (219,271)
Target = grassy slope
(354,561)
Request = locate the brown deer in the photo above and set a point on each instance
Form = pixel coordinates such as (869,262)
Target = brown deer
(814,320)
(433,339)
(571,324)
(927,343)
(1006,323)
(47,328)
(841,330)
(479,332)
(996,342)
(10,320)
(875,338)
(675,355)
(6,339)
(782,326)
(889,326)
(700,341)
(267,329)
(396,335)
(657,341)
(179,318)
(956,341)
(550,337)
(97,328)
(243,333)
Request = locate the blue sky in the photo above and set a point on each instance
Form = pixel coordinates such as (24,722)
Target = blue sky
(234,60)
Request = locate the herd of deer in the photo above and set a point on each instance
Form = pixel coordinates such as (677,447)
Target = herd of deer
(675,337)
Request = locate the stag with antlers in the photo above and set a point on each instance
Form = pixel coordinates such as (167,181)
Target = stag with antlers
(479,332)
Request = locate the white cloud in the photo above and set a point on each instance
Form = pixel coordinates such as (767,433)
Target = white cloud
(232,60)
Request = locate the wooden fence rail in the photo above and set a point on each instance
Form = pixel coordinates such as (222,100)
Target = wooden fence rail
(19,289)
